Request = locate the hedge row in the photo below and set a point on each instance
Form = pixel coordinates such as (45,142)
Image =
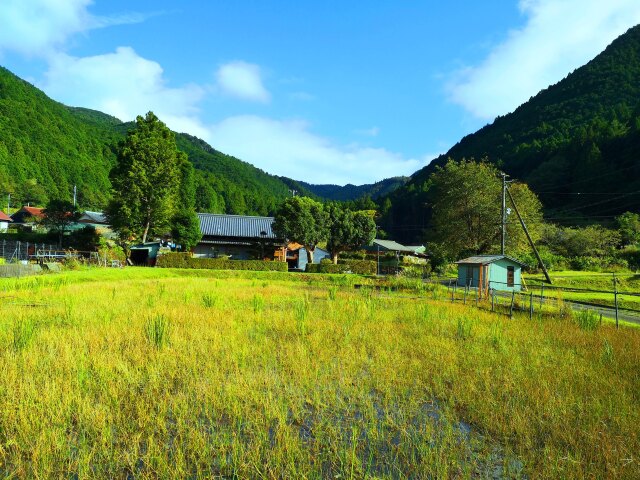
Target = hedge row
(185,260)
(361,267)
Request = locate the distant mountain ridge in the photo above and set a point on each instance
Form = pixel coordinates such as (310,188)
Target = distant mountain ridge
(350,191)
(577,144)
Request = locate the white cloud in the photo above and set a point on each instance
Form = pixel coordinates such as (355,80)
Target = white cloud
(35,27)
(242,80)
(559,36)
(124,85)
(288,148)
(41,27)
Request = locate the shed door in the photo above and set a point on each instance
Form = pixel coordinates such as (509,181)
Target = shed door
(470,270)
(510,276)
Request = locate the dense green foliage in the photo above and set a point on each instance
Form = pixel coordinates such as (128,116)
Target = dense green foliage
(576,143)
(225,184)
(302,220)
(467,206)
(47,148)
(146,181)
(185,260)
(348,230)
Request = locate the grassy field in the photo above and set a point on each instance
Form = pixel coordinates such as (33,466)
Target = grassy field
(152,373)
(627,283)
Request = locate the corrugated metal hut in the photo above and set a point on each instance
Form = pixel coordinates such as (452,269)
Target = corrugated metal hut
(499,272)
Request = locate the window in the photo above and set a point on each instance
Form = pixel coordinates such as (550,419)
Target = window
(510,276)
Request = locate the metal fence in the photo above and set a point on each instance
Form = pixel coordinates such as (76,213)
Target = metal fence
(543,298)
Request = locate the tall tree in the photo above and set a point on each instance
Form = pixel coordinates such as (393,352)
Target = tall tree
(59,215)
(467,210)
(348,229)
(302,220)
(145,180)
(185,224)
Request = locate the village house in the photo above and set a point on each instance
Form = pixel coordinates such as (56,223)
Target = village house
(239,237)
(27,215)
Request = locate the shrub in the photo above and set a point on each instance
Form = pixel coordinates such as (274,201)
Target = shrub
(185,260)
(360,267)
(327,268)
(632,256)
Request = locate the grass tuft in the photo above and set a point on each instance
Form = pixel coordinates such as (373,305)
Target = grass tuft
(157,331)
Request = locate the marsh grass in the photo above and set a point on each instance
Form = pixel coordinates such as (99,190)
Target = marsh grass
(385,385)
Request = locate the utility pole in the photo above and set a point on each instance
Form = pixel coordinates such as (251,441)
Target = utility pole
(8,204)
(526,231)
(75,194)
(503,236)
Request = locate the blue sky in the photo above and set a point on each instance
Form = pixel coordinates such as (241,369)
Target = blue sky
(326,92)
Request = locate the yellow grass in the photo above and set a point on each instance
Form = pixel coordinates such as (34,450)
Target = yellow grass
(148,373)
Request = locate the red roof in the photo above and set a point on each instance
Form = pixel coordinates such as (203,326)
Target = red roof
(4,217)
(33,211)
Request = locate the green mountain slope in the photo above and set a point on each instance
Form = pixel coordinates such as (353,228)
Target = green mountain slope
(46,148)
(577,143)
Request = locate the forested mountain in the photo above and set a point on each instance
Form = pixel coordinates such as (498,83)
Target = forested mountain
(46,148)
(577,144)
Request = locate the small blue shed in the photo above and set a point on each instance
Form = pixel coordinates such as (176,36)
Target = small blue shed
(499,272)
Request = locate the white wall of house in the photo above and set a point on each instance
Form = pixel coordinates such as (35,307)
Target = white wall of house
(4,226)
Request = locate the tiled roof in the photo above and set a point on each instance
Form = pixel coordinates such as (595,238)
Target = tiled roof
(486,259)
(4,217)
(239,226)
(32,211)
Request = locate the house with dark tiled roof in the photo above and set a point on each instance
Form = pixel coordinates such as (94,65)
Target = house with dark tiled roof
(239,237)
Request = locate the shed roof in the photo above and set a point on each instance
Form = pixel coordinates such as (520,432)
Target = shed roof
(93,217)
(390,245)
(4,217)
(487,259)
(240,226)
